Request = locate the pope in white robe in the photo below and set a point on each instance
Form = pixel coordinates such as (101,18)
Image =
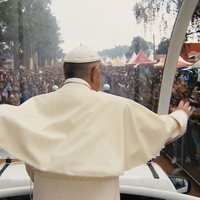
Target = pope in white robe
(79,140)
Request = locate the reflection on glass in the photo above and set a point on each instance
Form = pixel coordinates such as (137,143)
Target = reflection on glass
(186,151)
(137,73)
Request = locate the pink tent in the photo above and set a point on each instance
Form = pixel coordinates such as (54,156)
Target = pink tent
(140,58)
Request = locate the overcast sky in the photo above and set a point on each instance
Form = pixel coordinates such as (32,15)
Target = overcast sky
(98,23)
(104,24)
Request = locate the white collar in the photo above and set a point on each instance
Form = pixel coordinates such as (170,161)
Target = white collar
(78,81)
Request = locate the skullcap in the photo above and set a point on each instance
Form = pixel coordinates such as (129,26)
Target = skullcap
(82,54)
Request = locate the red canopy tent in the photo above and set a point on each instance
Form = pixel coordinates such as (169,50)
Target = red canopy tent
(140,58)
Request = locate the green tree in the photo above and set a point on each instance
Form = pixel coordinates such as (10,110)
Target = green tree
(138,43)
(42,34)
(163,46)
(11,28)
(146,12)
(194,27)
(28,27)
(117,51)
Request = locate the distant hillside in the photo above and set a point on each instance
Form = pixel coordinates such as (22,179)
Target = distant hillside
(117,51)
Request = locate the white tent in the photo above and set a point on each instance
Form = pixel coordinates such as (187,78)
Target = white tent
(124,59)
(117,62)
(108,61)
(132,58)
(151,56)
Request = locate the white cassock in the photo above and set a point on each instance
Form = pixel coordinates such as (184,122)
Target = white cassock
(80,134)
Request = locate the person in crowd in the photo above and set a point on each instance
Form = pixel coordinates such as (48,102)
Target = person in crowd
(54,88)
(25,95)
(81,139)
(16,96)
(106,88)
(195,124)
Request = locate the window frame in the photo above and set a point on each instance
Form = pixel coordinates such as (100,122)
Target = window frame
(176,41)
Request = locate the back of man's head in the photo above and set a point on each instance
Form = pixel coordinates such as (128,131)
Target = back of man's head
(79,61)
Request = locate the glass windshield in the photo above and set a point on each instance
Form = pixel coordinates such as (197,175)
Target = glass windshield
(186,150)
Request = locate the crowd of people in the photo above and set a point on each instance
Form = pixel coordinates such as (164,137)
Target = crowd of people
(17,86)
(141,84)
(53,133)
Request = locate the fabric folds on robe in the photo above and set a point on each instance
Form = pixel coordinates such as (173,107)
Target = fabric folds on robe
(80,132)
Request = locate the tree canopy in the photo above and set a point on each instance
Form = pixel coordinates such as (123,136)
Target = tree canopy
(27,27)
(117,51)
(146,11)
(163,46)
(138,43)
(194,27)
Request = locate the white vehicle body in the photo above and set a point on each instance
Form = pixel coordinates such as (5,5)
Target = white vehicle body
(142,176)
(14,181)
(140,180)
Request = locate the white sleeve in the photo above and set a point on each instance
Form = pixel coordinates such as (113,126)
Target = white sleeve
(181,118)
